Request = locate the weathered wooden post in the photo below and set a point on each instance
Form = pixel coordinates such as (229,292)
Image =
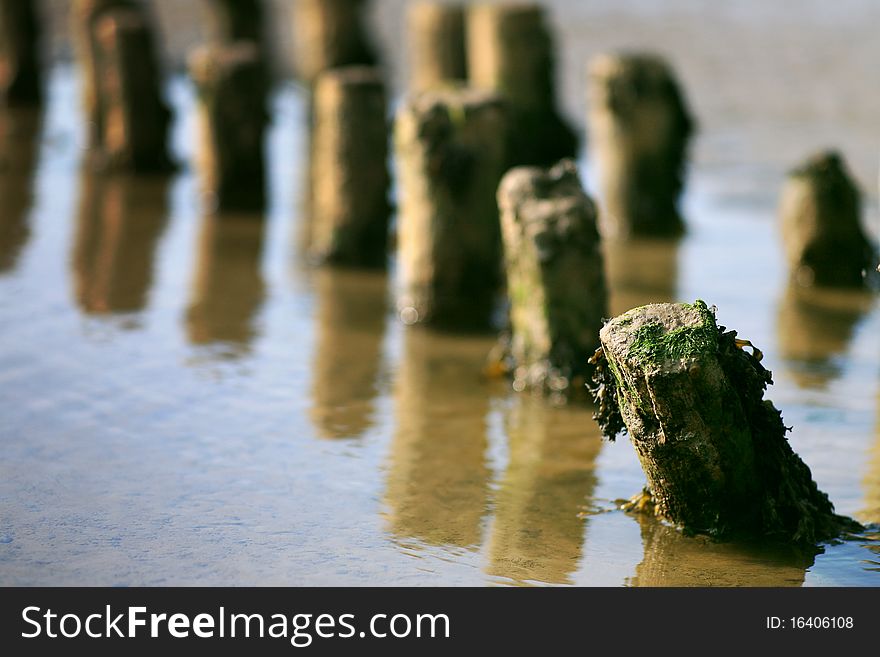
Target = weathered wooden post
(450,154)
(128,118)
(821,225)
(555,276)
(349,173)
(436,44)
(510,50)
(228,287)
(232,112)
(329,34)
(350,314)
(639,127)
(713,450)
(21,80)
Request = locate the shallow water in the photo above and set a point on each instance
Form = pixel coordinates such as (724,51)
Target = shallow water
(184,401)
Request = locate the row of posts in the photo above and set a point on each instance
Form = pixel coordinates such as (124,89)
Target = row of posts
(488,195)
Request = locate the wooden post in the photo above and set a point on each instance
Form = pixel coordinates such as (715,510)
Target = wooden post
(510,50)
(450,154)
(349,171)
(228,289)
(713,450)
(639,129)
(555,276)
(232,112)
(329,34)
(436,45)
(122,87)
(21,77)
(127,116)
(821,225)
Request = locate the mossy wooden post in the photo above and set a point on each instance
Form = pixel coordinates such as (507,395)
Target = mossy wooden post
(510,50)
(329,34)
(555,276)
(639,127)
(436,45)
(21,77)
(349,179)
(713,450)
(820,209)
(450,155)
(233,117)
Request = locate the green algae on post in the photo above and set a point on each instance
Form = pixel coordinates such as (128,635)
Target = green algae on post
(714,451)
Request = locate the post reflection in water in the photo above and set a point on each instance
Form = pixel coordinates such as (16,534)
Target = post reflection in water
(538,529)
(437,486)
(350,315)
(640,271)
(228,288)
(871,483)
(673,559)
(120,220)
(19,143)
(814,327)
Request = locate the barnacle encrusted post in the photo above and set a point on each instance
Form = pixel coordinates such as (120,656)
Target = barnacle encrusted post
(21,76)
(510,50)
(232,115)
(821,225)
(639,127)
(450,157)
(713,450)
(555,276)
(436,44)
(349,178)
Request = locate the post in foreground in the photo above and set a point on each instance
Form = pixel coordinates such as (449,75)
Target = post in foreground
(714,451)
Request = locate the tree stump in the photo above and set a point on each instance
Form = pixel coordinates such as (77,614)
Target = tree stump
(329,34)
(713,450)
(21,77)
(510,50)
(639,128)
(233,117)
(825,244)
(349,178)
(450,155)
(555,276)
(437,45)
